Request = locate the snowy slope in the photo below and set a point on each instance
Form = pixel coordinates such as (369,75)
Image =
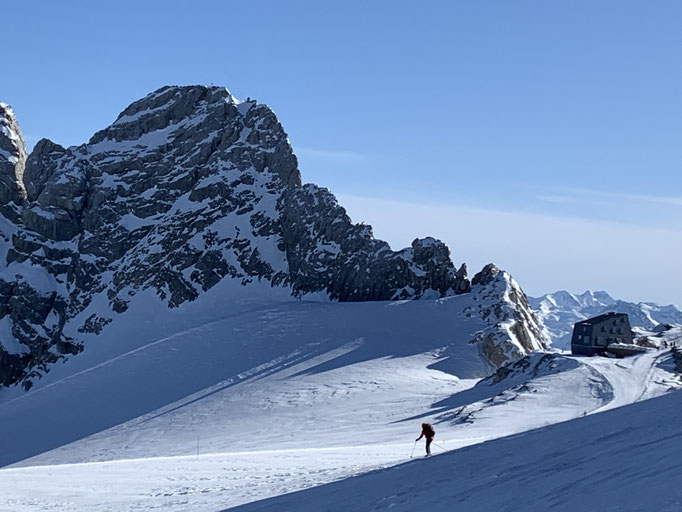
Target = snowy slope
(559,311)
(225,352)
(625,460)
(157,356)
(284,398)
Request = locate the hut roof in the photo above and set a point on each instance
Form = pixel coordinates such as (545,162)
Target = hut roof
(601,318)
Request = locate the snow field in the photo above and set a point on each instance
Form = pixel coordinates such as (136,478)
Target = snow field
(290,397)
(204,483)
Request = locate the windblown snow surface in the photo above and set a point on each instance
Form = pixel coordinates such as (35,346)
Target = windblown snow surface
(315,406)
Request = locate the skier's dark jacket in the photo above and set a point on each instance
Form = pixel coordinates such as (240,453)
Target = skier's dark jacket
(427,431)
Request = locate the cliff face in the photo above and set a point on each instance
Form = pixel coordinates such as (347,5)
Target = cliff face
(188,187)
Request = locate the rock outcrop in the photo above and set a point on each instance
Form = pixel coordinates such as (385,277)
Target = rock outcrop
(513,330)
(188,187)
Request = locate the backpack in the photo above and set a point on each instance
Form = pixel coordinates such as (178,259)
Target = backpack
(428,430)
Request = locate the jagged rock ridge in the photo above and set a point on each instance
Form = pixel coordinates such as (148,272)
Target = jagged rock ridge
(188,186)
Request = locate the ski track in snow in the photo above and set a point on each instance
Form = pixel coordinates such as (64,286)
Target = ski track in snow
(144,347)
(632,379)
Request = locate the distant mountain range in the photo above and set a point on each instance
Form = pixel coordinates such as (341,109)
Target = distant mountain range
(558,312)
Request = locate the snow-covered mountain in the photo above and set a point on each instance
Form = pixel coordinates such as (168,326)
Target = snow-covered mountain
(558,312)
(193,196)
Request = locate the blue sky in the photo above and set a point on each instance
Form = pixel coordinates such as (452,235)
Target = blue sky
(508,117)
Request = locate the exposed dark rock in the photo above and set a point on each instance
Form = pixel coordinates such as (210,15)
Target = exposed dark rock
(42,163)
(94,324)
(486,275)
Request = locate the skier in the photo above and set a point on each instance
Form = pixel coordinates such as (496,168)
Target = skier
(428,433)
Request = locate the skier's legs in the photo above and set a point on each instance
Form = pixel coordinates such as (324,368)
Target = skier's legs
(428,446)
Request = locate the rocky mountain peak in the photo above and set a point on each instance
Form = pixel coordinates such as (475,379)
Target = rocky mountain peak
(486,276)
(165,107)
(188,188)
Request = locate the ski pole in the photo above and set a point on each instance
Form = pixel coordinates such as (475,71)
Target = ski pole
(415,445)
(439,446)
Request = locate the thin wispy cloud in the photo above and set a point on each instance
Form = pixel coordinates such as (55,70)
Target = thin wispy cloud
(331,155)
(555,199)
(583,200)
(581,194)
